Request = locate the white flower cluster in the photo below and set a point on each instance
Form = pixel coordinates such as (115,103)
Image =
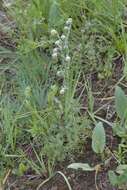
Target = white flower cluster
(61,44)
(61,51)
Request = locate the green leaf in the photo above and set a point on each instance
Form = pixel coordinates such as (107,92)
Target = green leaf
(118,180)
(122,179)
(83,166)
(120,102)
(98,138)
(55,16)
(22,169)
(121,168)
(113,178)
(119,130)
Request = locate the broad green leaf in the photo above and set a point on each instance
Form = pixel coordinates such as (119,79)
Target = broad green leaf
(121,168)
(122,179)
(118,180)
(120,102)
(98,138)
(113,178)
(83,166)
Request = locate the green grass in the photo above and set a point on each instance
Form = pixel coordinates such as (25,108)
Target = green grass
(34,112)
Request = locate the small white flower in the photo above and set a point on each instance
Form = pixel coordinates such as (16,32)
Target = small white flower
(82,31)
(54,32)
(55,50)
(7,3)
(69,22)
(58,43)
(68,59)
(63,37)
(62,91)
(54,56)
(66,28)
(60,73)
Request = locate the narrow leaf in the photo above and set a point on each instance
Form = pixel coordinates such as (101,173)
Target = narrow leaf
(55,17)
(83,166)
(120,102)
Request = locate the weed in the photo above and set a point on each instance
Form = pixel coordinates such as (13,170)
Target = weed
(41,83)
